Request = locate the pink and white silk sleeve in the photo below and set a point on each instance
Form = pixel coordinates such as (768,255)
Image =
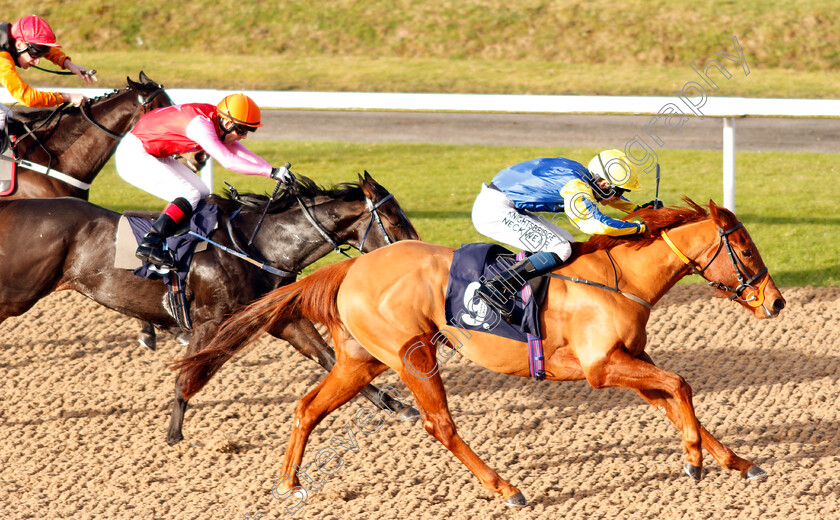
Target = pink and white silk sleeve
(234,157)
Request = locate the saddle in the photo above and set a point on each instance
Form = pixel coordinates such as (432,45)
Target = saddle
(471,264)
(8,166)
(133,226)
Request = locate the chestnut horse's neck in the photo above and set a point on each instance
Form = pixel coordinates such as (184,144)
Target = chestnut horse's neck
(652,270)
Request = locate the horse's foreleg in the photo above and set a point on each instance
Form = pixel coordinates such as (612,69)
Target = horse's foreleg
(620,369)
(720,452)
(303,336)
(430,395)
(347,378)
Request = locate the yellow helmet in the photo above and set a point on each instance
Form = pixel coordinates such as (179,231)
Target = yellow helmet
(240,109)
(613,166)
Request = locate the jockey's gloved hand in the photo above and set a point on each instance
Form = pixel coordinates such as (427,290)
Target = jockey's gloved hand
(642,228)
(282,174)
(655,204)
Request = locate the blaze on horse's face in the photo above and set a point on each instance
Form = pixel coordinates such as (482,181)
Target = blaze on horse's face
(761,297)
(393,218)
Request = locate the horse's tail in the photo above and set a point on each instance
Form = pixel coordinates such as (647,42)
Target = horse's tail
(313,297)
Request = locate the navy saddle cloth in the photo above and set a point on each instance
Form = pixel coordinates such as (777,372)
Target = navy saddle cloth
(182,244)
(471,264)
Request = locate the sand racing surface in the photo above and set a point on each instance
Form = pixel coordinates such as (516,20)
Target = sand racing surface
(85,409)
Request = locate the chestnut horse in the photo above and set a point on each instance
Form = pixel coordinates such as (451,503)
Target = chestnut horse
(67,243)
(386,310)
(76,142)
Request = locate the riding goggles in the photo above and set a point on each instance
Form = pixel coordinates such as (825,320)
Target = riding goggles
(243,129)
(35,51)
(618,192)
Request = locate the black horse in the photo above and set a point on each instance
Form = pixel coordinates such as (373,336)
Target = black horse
(67,243)
(76,142)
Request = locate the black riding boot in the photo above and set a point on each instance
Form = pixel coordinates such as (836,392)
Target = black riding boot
(151,248)
(500,292)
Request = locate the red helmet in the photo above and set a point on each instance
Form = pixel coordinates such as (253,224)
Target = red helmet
(34,30)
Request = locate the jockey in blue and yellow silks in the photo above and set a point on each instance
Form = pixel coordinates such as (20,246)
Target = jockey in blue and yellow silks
(551,185)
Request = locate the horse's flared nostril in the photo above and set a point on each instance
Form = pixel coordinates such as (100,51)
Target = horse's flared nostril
(779,304)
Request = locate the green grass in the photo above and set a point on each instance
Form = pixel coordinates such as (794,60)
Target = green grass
(533,46)
(363,74)
(641,47)
(786,200)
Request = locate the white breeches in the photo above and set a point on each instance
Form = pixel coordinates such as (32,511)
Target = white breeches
(165,178)
(494,216)
(4,114)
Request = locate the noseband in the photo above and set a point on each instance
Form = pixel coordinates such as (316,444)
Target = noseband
(756,294)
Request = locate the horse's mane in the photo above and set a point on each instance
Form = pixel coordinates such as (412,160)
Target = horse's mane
(306,188)
(655,220)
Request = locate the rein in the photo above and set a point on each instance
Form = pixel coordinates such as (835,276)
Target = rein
(374,216)
(745,282)
(629,296)
(144,102)
(240,253)
(84,109)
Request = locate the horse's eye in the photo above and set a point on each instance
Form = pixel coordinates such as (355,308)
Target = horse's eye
(747,253)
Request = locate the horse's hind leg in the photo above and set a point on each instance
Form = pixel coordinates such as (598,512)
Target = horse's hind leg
(430,395)
(721,453)
(303,336)
(147,336)
(354,369)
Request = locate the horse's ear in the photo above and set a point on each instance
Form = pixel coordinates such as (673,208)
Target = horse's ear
(144,78)
(714,210)
(133,84)
(721,215)
(368,185)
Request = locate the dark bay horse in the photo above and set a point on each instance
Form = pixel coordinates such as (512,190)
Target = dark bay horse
(589,333)
(76,142)
(67,243)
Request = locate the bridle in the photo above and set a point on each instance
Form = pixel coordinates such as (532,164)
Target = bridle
(755,297)
(49,171)
(374,217)
(338,248)
(144,102)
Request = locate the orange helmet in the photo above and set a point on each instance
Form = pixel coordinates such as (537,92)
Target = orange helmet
(34,30)
(240,109)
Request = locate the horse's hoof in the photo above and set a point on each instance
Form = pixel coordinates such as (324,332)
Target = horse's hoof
(754,473)
(183,338)
(693,471)
(147,340)
(409,413)
(517,500)
(172,440)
